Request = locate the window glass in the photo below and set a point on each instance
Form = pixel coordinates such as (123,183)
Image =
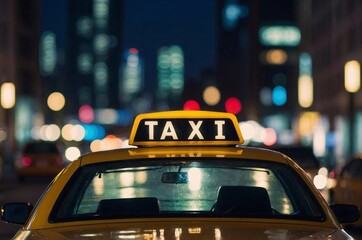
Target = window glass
(187,187)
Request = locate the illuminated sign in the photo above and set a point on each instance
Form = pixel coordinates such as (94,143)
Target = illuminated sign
(177,128)
(279,36)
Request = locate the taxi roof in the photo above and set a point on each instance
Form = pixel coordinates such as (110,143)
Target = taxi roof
(243,152)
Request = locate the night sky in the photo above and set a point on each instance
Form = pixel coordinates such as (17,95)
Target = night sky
(149,25)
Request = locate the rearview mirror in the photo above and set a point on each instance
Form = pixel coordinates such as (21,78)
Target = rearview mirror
(175,177)
(345,213)
(16,213)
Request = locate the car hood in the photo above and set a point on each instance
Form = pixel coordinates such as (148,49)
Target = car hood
(218,230)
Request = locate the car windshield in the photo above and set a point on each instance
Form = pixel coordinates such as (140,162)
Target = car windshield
(186,187)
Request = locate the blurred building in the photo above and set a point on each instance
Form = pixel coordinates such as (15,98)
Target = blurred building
(93,54)
(258,59)
(170,76)
(333,37)
(131,79)
(237,52)
(19,26)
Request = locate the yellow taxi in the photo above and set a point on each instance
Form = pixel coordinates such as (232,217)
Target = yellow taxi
(39,158)
(186,177)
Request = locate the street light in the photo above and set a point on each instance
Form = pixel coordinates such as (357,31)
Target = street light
(352,83)
(7,95)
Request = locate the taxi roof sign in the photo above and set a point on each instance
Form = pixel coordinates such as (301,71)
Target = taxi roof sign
(184,128)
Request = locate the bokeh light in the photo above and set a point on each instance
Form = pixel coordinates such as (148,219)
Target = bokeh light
(56,101)
(233,105)
(211,95)
(270,137)
(276,56)
(279,95)
(86,114)
(72,153)
(191,105)
(7,95)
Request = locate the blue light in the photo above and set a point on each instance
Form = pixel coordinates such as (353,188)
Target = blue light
(279,95)
(232,13)
(93,132)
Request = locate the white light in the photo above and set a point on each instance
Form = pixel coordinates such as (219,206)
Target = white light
(78,133)
(323,171)
(280,35)
(305,91)
(106,116)
(126,179)
(352,76)
(320,181)
(319,141)
(247,130)
(66,132)
(52,132)
(7,95)
(72,153)
(194,175)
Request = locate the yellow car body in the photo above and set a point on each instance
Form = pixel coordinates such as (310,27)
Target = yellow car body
(54,216)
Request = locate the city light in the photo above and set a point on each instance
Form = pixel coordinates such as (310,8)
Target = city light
(86,114)
(8,95)
(131,79)
(170,67)
(108,143)
(307,123)
(279,95)
(78,132)
(72,153)
(265,96)
(49,132)
(48,53)
(233,105)
(191,105)
(276,56)
(352,76)
(279,36)
(211,95)
(56,101)
(305,81)
(305,91)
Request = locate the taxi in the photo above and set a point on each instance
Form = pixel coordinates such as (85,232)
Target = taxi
(186,176)
(39,158)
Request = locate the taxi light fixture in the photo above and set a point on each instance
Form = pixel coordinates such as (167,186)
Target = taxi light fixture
(185,128)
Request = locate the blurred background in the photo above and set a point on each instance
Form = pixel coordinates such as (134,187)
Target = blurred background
(77,72)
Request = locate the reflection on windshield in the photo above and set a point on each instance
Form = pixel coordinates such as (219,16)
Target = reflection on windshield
(139,183)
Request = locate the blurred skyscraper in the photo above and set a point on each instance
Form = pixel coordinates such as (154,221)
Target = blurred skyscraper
(93,53)
(131,76)
(247,65)
(170,66)
(19,36)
